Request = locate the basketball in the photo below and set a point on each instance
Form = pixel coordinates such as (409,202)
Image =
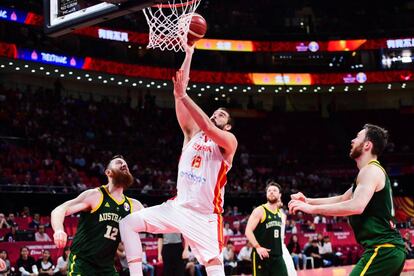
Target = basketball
(198,28)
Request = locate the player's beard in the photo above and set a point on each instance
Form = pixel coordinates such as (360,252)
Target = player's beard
(122,179)
(217,125)
(356,151)
(272,200)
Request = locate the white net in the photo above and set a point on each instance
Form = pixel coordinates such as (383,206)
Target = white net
(169,23)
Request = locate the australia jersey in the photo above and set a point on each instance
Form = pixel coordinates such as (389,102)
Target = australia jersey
(375,226)
(202,175)
(97,236)
(268,232)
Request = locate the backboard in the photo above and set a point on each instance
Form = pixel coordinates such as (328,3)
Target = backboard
(64,16)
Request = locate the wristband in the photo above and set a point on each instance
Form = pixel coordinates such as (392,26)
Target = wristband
(59,231)
(257,246)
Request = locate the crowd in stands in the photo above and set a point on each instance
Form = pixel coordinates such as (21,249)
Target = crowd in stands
(307,239)
(54,143)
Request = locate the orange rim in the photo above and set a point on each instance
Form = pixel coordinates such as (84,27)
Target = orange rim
(166,6)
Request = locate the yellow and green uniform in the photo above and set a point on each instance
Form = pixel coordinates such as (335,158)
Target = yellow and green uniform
(97,237)
(268,234)
(374,229)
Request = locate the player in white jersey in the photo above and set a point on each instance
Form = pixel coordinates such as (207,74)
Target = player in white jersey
(207,155)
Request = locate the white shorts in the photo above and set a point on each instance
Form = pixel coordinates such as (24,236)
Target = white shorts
(203,232)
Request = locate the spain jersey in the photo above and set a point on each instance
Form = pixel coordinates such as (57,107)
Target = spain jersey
(202,175)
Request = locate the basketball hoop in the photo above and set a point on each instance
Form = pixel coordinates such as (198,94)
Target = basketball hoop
(169,23)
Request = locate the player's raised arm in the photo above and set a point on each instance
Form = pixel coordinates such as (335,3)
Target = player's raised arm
(220,135)
(85,201)
(186,122)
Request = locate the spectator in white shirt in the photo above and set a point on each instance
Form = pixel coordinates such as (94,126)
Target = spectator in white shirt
(62,263)
(41,236)
(45,265)
(229,258)
(227,230)
(326,252)
(244,264)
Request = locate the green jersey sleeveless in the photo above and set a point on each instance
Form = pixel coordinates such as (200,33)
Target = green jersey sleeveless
(97,236)
(375,226)
(268,232)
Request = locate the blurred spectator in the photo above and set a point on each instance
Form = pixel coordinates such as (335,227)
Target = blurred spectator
(34,224)
(236,228)
(295,251)
(229,258)
(309,226)
(228,212)
(411,223)
(26,265)
(5,257)
(313,251)
(41,235)
(244,264)
(11,220)
(62,263)
(25,212)
(294,228)
(3,222)
(147,268)
(236,211)
(319,219)
(11,236)
(45,265)
(408,245)
(227,230)
(325,250)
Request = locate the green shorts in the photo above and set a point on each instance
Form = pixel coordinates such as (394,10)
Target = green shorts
(272,266)
(79,267)
(385,259)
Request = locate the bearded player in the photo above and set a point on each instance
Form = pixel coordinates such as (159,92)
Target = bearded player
(368,203)
(96,241)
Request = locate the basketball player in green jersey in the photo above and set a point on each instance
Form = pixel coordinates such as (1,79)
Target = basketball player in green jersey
(265,231)
(368,203)
(96,241)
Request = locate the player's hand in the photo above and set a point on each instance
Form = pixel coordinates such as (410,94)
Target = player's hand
(189,50)
(160,258)
(298,205)
(2,265)
(60,238)
(262,252)
(180,84)
(298,196)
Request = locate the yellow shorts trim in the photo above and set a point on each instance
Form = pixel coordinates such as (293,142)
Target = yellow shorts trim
(377,247)
(72,265)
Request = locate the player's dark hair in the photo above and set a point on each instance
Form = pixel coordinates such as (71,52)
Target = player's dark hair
(271,182)
(378,136)
(230,121)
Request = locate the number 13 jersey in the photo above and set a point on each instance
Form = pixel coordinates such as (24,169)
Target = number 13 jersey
(202,175)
